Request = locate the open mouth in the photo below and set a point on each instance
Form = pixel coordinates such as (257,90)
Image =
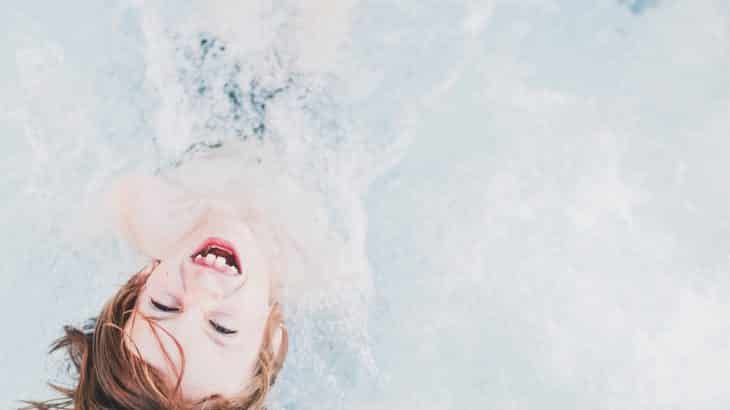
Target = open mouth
(218,254)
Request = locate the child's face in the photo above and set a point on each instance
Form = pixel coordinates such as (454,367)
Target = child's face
(216,314)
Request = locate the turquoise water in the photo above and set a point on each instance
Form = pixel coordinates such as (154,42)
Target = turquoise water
(521,205)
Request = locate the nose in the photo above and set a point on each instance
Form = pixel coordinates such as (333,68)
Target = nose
(202,285)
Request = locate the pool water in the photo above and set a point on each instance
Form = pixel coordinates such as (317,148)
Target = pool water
(508,205)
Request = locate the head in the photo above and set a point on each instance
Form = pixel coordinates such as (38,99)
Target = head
(184,333)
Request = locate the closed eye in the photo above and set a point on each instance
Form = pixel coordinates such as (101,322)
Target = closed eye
(220,329)
(159,306)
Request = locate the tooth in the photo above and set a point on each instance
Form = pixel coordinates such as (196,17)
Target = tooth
(210,259)
(197,258)
(220,262)
(235,269)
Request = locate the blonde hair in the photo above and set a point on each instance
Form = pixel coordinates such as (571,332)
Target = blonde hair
(110,376)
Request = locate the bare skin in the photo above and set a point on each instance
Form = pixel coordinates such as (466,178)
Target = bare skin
(217,312)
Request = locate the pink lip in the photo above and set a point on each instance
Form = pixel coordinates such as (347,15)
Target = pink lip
(221,243)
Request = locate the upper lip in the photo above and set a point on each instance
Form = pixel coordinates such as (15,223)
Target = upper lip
(220,243)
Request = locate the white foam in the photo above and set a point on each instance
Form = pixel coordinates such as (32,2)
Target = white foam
(490,204)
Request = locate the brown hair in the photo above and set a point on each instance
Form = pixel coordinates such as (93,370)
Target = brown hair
(109,376)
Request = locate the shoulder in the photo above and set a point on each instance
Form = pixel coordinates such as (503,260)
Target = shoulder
(150,211)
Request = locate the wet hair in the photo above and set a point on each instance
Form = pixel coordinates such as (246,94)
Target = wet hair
(110,376)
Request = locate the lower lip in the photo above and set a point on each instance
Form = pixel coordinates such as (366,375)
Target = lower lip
(223,244)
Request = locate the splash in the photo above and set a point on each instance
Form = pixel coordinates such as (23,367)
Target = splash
(491,204)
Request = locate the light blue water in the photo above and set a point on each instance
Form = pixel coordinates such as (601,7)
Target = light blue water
(526,203)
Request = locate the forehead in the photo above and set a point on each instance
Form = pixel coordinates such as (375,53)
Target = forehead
(209,368)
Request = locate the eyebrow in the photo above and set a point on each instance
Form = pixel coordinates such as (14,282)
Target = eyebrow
(216,341)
